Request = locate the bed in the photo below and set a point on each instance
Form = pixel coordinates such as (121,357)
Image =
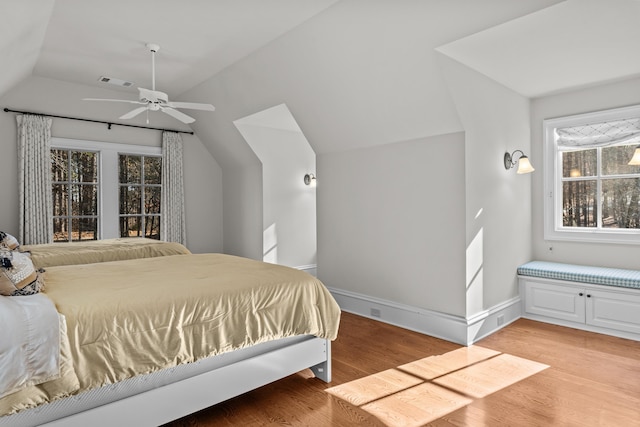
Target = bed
(149,340)
(92,251)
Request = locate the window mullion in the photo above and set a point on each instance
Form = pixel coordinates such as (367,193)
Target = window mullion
(599,189)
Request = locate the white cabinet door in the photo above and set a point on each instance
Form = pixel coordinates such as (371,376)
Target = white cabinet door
(613,310)
(560,302)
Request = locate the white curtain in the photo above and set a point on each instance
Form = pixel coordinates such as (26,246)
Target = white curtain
(34,179)
(173,227)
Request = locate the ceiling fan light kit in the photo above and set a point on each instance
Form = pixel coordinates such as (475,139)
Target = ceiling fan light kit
(155,100)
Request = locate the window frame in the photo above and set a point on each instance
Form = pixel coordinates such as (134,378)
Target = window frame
(68,184)
(553,227)
(143,185)
(108,188)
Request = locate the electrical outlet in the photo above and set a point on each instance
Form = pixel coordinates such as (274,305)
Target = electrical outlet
(500,319)
(375,312)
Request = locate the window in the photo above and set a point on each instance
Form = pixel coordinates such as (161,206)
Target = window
(74,178)
(592,193)
(140,179)
(105,190)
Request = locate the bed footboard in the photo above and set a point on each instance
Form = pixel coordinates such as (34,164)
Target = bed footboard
(175,400)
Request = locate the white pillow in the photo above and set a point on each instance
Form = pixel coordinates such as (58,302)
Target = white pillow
(8,241)
(18,275)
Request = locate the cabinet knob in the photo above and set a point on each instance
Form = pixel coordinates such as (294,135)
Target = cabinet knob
(588,295)
(580,294)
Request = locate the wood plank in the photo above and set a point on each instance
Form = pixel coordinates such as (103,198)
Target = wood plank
(592,380)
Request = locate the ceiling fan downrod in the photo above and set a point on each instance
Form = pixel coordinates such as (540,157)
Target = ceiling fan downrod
(153,48)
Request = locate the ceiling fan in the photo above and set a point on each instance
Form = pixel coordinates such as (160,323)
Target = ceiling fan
(154,100)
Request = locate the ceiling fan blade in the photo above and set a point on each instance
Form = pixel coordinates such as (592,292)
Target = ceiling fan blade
(178,115)
(192,106)
(113,100)
(133,113)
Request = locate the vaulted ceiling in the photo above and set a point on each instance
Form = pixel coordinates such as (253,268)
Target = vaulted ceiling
(80,40)
(353,72)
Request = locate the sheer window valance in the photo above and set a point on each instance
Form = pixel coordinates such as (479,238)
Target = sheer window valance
(615,132)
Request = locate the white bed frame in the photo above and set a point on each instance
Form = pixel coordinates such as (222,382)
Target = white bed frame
(230,375)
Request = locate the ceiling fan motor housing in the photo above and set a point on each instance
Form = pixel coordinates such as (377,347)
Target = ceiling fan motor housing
(153,96)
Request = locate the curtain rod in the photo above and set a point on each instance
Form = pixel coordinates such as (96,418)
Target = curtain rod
(109,124)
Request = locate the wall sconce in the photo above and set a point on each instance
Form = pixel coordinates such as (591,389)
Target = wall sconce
(635,160)
(310,179)
(524,165)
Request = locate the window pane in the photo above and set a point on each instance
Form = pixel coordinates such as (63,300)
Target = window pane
(60,200)
(59,165)
(130,226)
(75,194)
(579,205)
(60,230)
(152,200)
(615,159)
(579,163)
(130,200)
(153,170)
(87,229)
(152,227)
(84,200)
(129,169)
(620,203)
(84,166)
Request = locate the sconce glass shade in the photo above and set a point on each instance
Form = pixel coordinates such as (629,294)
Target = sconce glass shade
(635,160)
(524,165)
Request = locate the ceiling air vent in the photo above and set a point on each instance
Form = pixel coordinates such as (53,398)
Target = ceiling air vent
(117,82)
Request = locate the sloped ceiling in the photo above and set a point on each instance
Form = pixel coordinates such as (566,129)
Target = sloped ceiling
(570,45)
(22,31)
(354,73)
(80,40)
(361,74)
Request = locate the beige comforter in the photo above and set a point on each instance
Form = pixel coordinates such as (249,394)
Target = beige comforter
(92,251)
(132,317)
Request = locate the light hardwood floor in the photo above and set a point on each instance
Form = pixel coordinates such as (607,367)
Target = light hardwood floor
(578,379)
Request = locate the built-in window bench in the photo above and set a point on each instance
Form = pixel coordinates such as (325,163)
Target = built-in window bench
(598,299)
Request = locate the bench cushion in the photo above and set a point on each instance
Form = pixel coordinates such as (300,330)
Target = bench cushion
(582,273)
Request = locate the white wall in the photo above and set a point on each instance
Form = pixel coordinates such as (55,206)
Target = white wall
(289,206)
(203,176)
(363,74)
(606,96)
(359,74)
(498,202)
(391,222)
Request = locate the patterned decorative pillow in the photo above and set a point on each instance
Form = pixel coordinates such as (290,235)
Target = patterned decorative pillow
(8,241)
(18,276)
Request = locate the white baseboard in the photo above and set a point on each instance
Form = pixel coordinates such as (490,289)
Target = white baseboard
(452,328)
(312,269)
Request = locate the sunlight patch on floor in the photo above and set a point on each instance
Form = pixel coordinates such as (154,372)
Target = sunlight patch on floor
(374,387)
(427,389)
